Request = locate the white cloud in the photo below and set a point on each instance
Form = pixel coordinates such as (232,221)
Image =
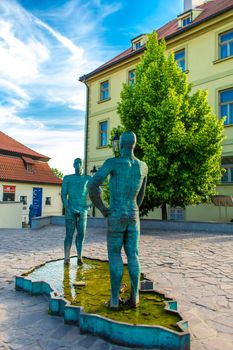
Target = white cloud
(42,61)
(6,84)
(75,50)
(62,146)
(20,61)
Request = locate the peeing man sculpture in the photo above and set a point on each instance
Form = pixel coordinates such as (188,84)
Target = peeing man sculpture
(127,185)
(74,196)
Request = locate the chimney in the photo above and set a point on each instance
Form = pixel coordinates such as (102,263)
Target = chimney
(191,4)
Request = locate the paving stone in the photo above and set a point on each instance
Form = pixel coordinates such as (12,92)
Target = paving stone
(218,343)
(48,344)
(72,336)
(4,346)
(188,266)
(30,346)
(102,346)
(87,341)
(221,328)
(202,331)
(60,332)
(26,320)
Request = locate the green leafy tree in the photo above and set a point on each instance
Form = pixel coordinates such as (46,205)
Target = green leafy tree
(178,135)
(57,173)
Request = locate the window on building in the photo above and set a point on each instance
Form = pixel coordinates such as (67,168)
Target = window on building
(104,90)
(29,168)
(47,200)
(226,105)
(228,175)
(131,77)
(8,197)
(23,199)
(226,44)
(138,44)
(186,21)
(103,134)
(180,59)
(176,213)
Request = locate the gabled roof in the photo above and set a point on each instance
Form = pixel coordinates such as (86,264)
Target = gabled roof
(210,9)
(13,168)
(11,146)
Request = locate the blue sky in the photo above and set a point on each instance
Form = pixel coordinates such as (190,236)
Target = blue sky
(45,45)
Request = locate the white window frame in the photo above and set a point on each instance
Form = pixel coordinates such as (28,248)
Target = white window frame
(228,103)
(104,90)
(227,42)
(100,132)
(183,59)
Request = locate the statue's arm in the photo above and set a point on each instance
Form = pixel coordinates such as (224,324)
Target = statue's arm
(64,192)
(94,190)
(141,193)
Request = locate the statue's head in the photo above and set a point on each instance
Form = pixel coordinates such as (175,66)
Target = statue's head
(127,141)
(78,165)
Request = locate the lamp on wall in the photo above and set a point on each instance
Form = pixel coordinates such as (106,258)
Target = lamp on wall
(94,170)
(115,143)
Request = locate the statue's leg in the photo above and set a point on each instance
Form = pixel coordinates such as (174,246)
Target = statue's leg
(131,251)
(70,228)
(116,267)
(81,231)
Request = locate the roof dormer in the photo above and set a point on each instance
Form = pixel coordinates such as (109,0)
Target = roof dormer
(29,162)
(191,12)
(139,41)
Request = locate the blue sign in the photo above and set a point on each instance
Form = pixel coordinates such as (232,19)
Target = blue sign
(37,201)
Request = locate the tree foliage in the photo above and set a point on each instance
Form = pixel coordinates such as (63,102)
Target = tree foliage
(178,135)
(57,173)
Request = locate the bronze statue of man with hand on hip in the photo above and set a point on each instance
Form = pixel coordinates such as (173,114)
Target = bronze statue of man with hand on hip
(127,185)
(74,196)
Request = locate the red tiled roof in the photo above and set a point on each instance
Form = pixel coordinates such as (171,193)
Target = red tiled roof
(28,160)
(210,9)
(13,169)
(9,144)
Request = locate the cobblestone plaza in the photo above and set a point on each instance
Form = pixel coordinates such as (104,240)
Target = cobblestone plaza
(195,269)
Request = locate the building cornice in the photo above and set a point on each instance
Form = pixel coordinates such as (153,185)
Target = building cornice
(167,38)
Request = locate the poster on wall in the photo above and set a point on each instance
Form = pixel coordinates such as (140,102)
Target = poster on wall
(37,201)
(9,193)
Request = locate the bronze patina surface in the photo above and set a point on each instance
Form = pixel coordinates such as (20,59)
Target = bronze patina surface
(127,182)
(74,196)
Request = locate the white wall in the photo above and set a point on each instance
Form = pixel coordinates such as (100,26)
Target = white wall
(26,189)
(11,215)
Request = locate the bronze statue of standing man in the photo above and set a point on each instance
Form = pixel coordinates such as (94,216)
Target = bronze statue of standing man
(74,196)
(127,183)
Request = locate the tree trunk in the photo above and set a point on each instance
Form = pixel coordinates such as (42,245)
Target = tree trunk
(164,211)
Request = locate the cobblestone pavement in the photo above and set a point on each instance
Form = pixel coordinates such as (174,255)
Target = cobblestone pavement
(196,269)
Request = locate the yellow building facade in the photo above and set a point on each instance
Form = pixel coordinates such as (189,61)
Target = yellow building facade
(202,41)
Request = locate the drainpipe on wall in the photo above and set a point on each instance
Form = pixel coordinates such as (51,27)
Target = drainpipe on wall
(86,126)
